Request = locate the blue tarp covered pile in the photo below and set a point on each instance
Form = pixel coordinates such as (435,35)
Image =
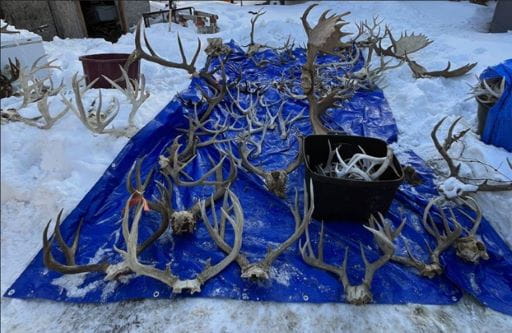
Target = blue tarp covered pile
(498,125)
(268,219)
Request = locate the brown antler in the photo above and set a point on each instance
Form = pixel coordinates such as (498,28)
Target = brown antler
(359,294)
(464,187)
(70,267)
(324,37)
(276,180)
(421,72)
(405,45)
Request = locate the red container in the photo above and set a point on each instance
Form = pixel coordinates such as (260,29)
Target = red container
(96,65)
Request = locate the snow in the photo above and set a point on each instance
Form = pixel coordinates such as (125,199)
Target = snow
(44,171)
(22,35)
(452,188)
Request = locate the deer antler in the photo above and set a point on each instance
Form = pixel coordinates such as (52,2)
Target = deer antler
(256,271)
(184,221)
(444,240)
(95,119)
(359,166)
(463,187)
(174,282)
(470,248)
(70,267)
(276,180)
(134,91)
(359,294)
(489,91)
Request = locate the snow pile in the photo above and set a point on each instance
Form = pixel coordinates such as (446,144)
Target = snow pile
(453,188)
(8,38)
(44,171)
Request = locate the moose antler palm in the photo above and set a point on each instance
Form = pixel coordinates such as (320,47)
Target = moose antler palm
(323,37)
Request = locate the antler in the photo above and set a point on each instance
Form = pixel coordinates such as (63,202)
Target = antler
(324,37)
(359,294)
(405,45)
(421,72)
(139,53)
(134,91)
(184,221)
(360,166)
(444,240)
(470,248)
(70,267)
(463,187)
(276,180)
(174,282)
(256,271)
(489,91)
(95,119)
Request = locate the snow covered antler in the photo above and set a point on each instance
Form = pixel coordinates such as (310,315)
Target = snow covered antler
(359,294)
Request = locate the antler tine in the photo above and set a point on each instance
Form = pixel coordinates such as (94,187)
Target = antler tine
(471,202)
(448,237)
(298,159)
(242,147)
(299,230)
(140,186)
(304,18)
(454,170)
(69,252)
(217,232)
(164,207)
(139,53)
(237,225)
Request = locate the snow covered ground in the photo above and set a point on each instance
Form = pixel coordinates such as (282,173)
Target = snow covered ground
(43,171)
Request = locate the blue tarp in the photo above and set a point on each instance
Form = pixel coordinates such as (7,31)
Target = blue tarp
(268,219)
(498,125)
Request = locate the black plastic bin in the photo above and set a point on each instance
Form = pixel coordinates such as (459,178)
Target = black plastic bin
(483,110)
(349,200)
